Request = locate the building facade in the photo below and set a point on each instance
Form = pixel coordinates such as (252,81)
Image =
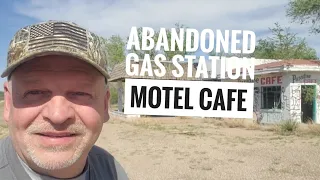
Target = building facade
(287,90)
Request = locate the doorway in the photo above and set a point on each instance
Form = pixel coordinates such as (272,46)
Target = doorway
(308,105)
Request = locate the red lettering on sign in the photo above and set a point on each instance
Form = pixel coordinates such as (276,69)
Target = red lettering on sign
(268,80)
(271,80)
(310,81)
(279,79)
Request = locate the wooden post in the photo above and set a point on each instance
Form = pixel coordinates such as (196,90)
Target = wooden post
(120,96)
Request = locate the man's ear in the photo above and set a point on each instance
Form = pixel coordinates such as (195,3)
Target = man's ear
(107,105)
(7,101)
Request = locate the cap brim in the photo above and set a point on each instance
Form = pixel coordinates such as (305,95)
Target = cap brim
(33,55)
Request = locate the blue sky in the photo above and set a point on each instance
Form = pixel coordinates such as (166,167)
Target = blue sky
(108,17)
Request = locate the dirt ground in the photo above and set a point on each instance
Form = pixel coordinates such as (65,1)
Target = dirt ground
(189,149)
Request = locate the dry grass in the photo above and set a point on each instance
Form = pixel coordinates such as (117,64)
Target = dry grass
(149,124)
(314,129)
(184,125)
(234,123)
(172,125)
(308,129)
(224,123)
(283,128)
(298,129)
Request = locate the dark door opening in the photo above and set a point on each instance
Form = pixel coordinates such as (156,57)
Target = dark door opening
(308,103)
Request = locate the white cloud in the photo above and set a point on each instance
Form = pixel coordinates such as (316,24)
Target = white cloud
(117,16)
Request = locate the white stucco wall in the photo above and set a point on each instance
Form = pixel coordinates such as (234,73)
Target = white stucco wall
(290,95)
(303,78)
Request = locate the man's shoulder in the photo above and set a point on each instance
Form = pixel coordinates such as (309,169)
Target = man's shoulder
(5,169)
(3,146)
(98,151)
(102,160)
(100,156)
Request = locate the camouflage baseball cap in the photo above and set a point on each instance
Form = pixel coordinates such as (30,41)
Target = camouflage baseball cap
(56,38)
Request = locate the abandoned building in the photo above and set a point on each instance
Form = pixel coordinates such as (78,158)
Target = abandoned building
(287,90)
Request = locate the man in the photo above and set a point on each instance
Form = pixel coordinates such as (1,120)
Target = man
(55,103)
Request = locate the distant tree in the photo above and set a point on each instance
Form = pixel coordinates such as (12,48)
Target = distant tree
(305,12)
(283,45)
(116,50)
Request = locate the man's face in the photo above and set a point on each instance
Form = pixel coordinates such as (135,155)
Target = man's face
(55,108)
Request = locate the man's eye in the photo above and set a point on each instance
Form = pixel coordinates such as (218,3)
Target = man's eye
(80,94)
(35,92)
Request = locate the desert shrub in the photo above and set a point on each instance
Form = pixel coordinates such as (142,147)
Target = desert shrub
(288,126)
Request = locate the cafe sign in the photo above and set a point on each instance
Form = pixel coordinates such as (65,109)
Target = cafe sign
(265,80)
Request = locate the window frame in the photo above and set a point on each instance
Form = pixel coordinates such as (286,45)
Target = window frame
(267,94)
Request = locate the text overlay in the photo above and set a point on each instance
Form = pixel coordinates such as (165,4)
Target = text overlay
(188,98)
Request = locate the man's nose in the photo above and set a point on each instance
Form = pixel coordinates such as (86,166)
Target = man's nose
(58,110)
